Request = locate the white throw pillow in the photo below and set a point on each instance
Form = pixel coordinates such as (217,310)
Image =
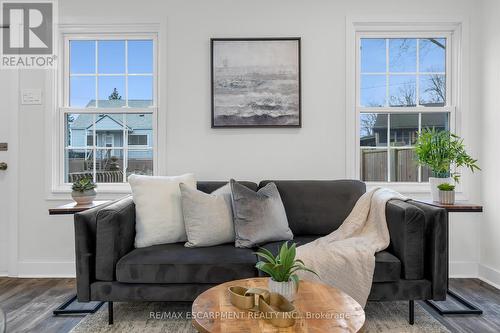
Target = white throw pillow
(208,217)
(158,208)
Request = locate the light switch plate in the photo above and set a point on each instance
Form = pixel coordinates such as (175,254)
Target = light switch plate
(31,96)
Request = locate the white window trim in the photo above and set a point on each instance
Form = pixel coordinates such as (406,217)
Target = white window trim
(457,99)
(58,189)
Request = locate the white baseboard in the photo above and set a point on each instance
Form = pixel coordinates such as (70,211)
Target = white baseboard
(489,275)
(464,269)
(40,269)
(4,274)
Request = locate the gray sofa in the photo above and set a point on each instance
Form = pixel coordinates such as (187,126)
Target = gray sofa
(109,268)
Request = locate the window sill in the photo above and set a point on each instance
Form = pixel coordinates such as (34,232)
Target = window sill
(413,190)
(405,188)
(62,192)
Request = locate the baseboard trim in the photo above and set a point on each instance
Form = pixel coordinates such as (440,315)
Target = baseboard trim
(464,269)
(489,275)
(47,269)
(2,274)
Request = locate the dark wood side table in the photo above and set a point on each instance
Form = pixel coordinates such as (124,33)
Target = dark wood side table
(458,207)
(70,209)
(73,208)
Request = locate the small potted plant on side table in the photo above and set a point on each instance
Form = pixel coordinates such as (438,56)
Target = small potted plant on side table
(84,191)
(282,270)
(446,194)
(442,152)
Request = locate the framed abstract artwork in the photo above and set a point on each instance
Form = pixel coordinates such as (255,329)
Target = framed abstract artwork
(256,82)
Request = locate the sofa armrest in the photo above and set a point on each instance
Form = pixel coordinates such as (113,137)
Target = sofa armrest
(435,248)
(85,240)
(406,224)
(115,235)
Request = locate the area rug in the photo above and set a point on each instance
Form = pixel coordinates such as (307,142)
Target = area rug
(150,317)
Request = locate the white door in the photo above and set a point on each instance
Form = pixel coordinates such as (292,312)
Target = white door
(8,189)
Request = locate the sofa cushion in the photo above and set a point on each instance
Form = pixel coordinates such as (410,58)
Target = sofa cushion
(387,267)
(208,216)
(174,263)
(158,208)
(259,217)
(300,240)
(317,207)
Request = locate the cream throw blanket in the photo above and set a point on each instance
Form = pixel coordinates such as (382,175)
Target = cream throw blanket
(346,257)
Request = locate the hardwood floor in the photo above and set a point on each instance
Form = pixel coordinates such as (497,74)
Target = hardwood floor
(479,293)
(29,303)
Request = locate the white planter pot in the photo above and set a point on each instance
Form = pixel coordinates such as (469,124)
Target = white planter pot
(84,198)
(447,197)
(434,182)
(286,289)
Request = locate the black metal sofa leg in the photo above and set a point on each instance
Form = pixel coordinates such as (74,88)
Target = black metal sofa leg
(110,313)
(411,312)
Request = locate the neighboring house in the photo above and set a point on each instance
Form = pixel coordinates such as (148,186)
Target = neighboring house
(112,133)
(109,131)
(403,129)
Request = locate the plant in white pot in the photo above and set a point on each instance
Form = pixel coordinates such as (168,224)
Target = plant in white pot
(282,270)
(446,193)
(444,153)
(84,191)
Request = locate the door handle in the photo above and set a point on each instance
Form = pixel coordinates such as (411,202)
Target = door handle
(3,166)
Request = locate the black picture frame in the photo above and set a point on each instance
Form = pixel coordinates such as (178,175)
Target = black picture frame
(213,41)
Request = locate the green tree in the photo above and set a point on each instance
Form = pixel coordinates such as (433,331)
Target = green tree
(114,95)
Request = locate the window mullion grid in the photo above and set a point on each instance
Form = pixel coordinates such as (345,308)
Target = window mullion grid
(417,94)
(94,111)
(94,150)
(387,72)
(419,170)
(96,76)
(418,109)
(387,105)
(126,73)
(417,85)
(94,157)
(125,148)
(125,130)
(389,147)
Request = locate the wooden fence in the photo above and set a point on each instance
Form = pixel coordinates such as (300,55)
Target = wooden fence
(101,176)
(404,168)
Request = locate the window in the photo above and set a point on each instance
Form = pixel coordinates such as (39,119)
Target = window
(403,86)
(109,107)
(138,140)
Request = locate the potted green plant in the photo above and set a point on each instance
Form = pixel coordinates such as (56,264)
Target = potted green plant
(446,193)
(84,190)
(444,153)
(282,270)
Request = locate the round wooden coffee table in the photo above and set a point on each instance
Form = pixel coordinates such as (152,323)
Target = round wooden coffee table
(320,308)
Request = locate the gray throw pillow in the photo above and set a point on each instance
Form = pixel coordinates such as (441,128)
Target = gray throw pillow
(208,217)
(259,217)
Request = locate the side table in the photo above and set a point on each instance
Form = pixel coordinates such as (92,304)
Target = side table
(70,209)
(457,207)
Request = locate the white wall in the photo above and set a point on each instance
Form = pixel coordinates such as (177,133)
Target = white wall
(316,151)
(490,231)
(6,177)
